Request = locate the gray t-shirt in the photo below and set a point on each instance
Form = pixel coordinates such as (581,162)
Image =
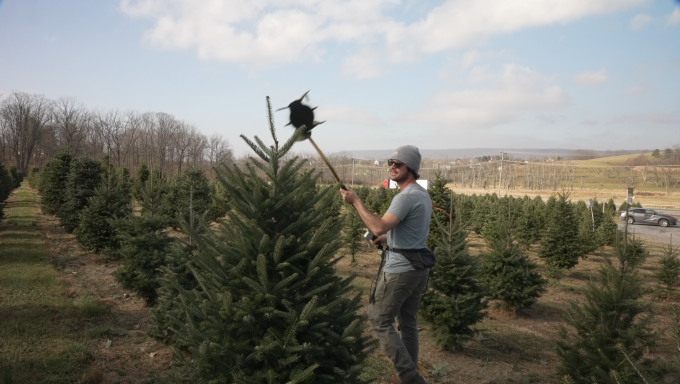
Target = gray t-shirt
(413,207)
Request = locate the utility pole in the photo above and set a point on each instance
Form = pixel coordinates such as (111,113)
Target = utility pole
(352,171)
(500,179)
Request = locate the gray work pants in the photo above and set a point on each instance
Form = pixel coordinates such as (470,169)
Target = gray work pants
(398,295)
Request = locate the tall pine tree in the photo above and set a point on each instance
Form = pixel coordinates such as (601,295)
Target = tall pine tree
(560,247)
(52,184)
(441,198)
(143,174)
(454,302)
(530,223)
(84,177)
(269,306)
(144,244)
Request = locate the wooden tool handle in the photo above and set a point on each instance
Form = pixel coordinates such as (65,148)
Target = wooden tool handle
(328,163)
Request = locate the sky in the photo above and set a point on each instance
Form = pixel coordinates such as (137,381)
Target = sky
(581,74)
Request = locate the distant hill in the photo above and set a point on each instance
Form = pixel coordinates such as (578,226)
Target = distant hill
(478,152)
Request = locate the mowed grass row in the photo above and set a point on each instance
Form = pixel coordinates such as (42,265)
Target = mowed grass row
(40,338)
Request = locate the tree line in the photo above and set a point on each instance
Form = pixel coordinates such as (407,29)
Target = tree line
(33,129)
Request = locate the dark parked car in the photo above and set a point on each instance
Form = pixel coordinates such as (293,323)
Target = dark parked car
(648,216)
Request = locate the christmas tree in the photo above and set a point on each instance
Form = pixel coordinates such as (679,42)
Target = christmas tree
(587,230)
(509,275)
(219,200)
(607,230)
(530,223)
(269,306)
(5,187)
(376,199)
(454,302)
(441,197)
(143,174)
(353,231)
(612,332)
(610,208)
(110,201)
(669,269)
(6,183)
(16,176)
(560,247)
(52,184)
(34,177)
(84,177)
(190,185)
(144,244)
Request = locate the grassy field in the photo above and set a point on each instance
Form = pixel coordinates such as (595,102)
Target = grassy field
(601,178)
(62,317)
(39,337)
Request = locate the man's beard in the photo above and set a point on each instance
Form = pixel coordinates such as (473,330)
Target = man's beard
(399,178)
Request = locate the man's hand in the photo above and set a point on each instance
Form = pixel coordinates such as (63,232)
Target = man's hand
(349,196)
(377,225)
(379,240)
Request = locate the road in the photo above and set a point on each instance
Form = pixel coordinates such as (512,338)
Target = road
(654,233)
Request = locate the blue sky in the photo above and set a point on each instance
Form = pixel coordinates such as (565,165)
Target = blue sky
(600,74)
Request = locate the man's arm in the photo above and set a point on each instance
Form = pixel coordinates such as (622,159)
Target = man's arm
(379,226)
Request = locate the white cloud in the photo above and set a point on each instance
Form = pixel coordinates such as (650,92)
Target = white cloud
(639,21)
(674,18)
(591,78)
(262,33)
(517,90)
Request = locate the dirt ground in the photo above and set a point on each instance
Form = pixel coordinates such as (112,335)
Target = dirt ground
(508,348)
(123,353)
(512,348)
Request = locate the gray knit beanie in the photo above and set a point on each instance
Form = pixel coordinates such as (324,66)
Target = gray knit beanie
(409,155)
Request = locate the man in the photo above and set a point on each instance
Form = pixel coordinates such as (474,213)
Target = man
(405,227)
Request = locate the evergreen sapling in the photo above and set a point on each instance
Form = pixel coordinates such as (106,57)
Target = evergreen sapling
(669,269)
(509,276)
(52,184)
(440,196)
(269,306)
(560,246)
(454,302)
(353,231)
(83,178)
(612,328)
(110,201)
(144,244)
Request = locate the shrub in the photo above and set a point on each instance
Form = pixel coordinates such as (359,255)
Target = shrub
(560,247)
(52,184)
(83,178)
(509,276)
(454,302)
(110,201)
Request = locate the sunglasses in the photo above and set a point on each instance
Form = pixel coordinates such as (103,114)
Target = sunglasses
(397,164)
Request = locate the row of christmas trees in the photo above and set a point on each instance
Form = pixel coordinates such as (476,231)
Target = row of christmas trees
(612,329)
(611,333)
(10,178)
